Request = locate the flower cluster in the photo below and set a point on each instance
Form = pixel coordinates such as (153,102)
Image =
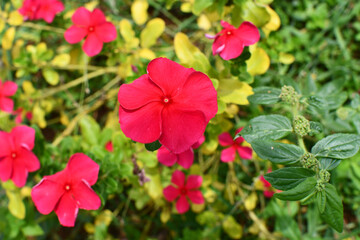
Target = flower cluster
(41,9)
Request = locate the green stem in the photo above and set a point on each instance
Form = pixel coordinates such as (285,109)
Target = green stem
(42,27)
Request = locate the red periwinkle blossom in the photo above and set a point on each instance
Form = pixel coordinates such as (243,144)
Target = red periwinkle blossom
(184,159)
(230,42)
(170,103)
(109,146)
(94,26)
(41,9)
(228,154)
(68,190)
(268,190)
(19,114)
(184,191)
(7,89)
(16,157)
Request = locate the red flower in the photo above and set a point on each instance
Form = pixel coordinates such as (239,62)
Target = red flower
(7,89)
(268,191)
(228,154)
(94,26)
(109,146)
(184,191)
(41,9)
(16,158)
(171,103)
(184,159)
(230,42)
(68,190)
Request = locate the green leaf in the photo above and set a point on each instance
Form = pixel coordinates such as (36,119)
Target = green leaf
(200,5)
(333,214)
(90,130)
(280,153)
(315,128)
(153,30)
(265,95)
(321,200)
(328,163)
(32,230)
(339,146)
(270,127)
(249,11)
(301,191)
(153,146)
(232,228)
(288,178)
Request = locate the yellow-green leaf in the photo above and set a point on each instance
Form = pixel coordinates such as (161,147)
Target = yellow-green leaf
(15,18)
(2,24)
(61,60)
(234,91)
(286,58)
(232,228)
(274,21)
(250,11)
(154,187)
(16,205)
(139,11)
(128,34)
(259,62)
(251,201)
(91,5)
(147,54)
(152,32)
(8,38)
(51,76)
(203,22)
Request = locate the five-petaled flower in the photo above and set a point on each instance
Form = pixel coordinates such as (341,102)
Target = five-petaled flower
(94,26)
(41,9)
(184,191)
(7,89)
(184,159)
(16,157)
(171,103)
(230,42)
(228,154)
(68,190)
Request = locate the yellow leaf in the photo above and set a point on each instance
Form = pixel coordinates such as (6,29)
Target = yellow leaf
(152,32)
(209,146)
(234,91)
(165,215)
(147,54)
(128,34)
(16,3)
(16,205)
(197,208)
(39,116)
(28,87)
(274,22)
(139,11)
(61,60)
(251,201)
(286,58)
(210,195)
(154,187)
(89,228)
(64,119)
(232,228)
(221,106)
(91,5)
(186,7)
(17,48)
(2,24)
(8,38)
(259,61)
(15,18)
(25,192)
(105,217)
(203,22)
(51,76)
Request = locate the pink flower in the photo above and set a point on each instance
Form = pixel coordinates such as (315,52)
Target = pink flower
(228,154)
(16,157)
(184,159)
(171,103)
(68,190)
(94,26)
(230,42)
(109,146)
(7,89)
(184,191)
(268,190)
(41,9)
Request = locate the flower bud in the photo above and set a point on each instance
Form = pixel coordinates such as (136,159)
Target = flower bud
(289,95)
(301,126)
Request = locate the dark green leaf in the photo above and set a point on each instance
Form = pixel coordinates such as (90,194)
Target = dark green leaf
(153,146)
(270,127)
(321,200)
(276,152)
(315,128)
(328,163)
(301,191)
(333,213)
(265,95)
(288,178)
(337,146)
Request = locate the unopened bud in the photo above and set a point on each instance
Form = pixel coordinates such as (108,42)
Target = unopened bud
(324,176)
(289,95)
(309,161)
(301,126)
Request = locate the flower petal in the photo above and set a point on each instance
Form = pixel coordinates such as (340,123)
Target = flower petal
(186,159)
(97,17)
(106,32)
(171,193)
(81,17)
(28,159)
(6,104)
(178,178)
(247,33)
(233,47)
(92,45)
(23,136)
(218,45)
(199,142)
(181,128)
(225,139)
(142,125)
(196,197)
(168,75)
(75,34)
(198,93)
(85,197)
(193,181)
(226,25)
(67,210)
(5,144)
(9,88)
(244,152)
(46,195)
(268,193)
(6,167)
(166,157)
(19,175)
(139,93)
(81,167)
(182,205)
(228,154)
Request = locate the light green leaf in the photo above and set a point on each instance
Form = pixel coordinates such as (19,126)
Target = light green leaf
(90,130)
(152,32)
(51,76)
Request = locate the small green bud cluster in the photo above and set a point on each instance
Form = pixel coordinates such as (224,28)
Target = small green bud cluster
(309,161)
(320,186)
(324,176)
(301,126)
(289,95)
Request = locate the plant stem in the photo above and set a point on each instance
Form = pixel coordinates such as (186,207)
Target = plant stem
(42,27)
